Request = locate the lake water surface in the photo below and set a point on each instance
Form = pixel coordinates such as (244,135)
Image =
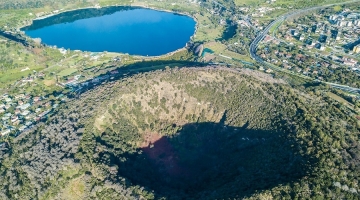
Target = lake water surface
(136,31)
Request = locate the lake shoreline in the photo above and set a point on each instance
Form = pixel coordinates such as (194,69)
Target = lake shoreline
(124,6)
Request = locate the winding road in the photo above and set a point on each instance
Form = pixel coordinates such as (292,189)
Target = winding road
(261,35)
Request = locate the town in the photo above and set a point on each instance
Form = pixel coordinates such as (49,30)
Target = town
(324,45)
(22,111)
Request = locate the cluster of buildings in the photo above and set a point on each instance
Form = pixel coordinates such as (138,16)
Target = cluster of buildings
(287,60)
(20,112)
(30,78)
(340,32)
(71,81)
(345,19)
(350,62)
(260,12)
(76,85)
(339,36)
(356,49)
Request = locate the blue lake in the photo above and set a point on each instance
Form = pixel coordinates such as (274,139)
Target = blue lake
(136,31)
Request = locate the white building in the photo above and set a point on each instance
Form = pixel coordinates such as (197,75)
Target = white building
(25,106)
(5,132)
(342,23)
(25,113)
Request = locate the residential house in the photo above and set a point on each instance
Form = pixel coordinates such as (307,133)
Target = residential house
(28,124)
(36,99)
(25,113)
(22,128)
(31,116)
(5,132)
(28,79)
(342,23)
(269,70)
(5,118)
(47,104)
(349,62)
(14,119)
(40,74)
(356,49)
(322,38)
(17,111)
(69,82)
(20,96)
(25,106)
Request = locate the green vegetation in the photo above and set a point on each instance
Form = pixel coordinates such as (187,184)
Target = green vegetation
(337,8)
(172,127)
(165,134)
(67,72)
(295,53)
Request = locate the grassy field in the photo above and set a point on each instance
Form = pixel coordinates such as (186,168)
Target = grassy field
(114,2)
(248,2)
(15,74)
(49,82)
(67,72)
(219,48)
(274,29)
(207,31)
(341,100)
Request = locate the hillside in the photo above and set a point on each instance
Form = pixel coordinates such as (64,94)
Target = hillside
(188,133)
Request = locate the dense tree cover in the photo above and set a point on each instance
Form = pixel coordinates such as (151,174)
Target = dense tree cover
(202,133)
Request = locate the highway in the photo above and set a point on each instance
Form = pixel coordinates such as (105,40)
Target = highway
(261,35)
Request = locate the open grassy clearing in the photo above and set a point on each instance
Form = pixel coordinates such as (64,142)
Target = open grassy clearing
(207,31)
(67,72)
(248,2)
(75,190)
(219,48)
(114,2)
(341,100)
(49,82)
(12,75)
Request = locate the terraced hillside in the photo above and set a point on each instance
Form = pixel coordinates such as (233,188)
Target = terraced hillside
(189,133)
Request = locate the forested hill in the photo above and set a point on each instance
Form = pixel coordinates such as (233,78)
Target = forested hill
(189,133)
